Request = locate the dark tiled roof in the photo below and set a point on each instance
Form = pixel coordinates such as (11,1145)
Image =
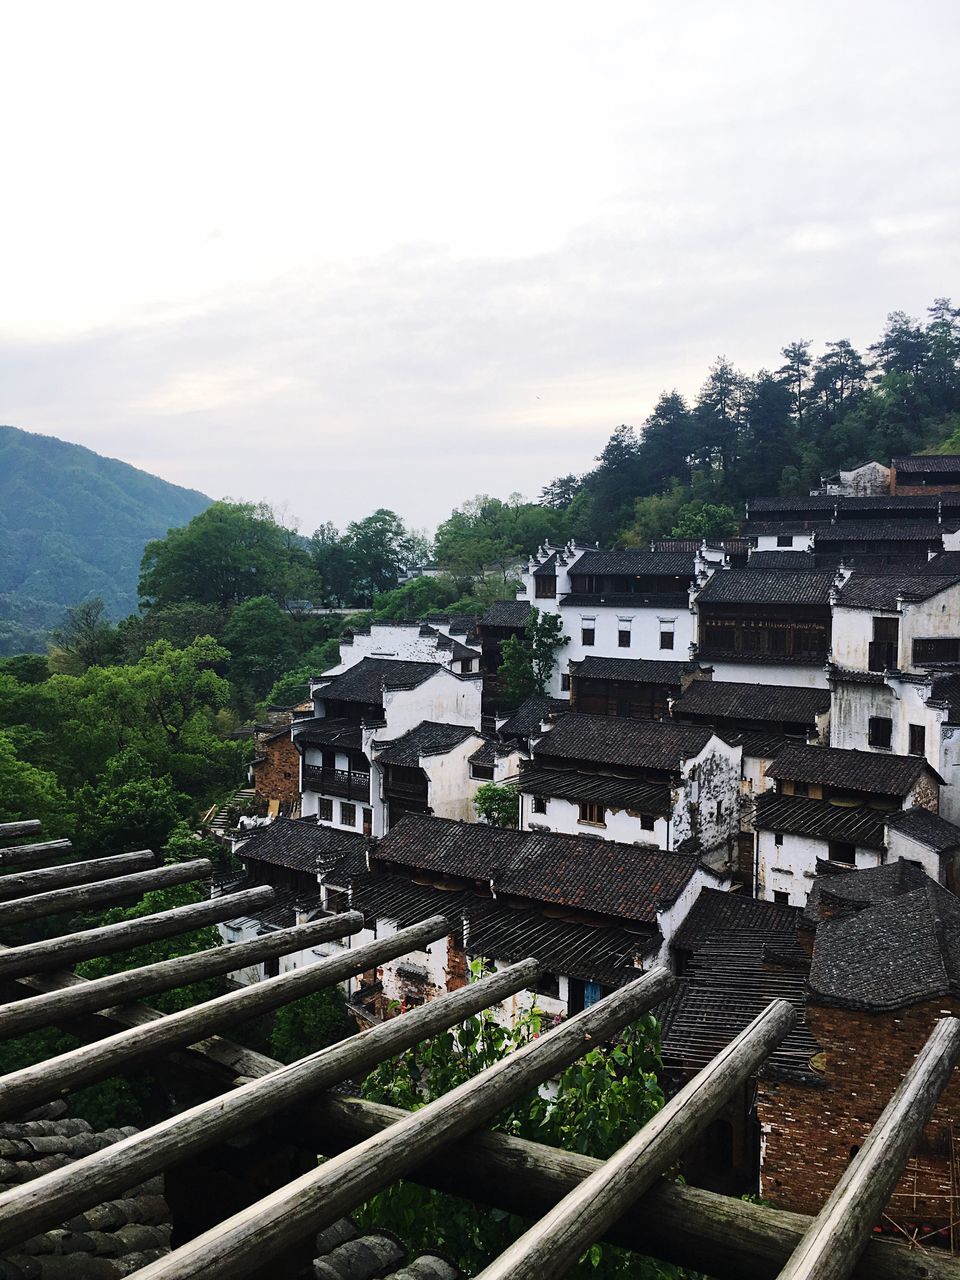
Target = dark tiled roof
(900,948)
(683,546)
(598,876)
(816,502)
(343,1253)
(927,828)
(885,530)
(650,744)
(854,770)
(944,563)
(328,733)
(745,586)
(945,690)
(602,788)
(922,464)
(777,703)
(527,717)
(888,502)
(427,739)
(507,613)
(868,591)
(301,845)
(366,681)
(549,567)
(819,820)
(490,752)
(716,909)
(783,561)
(637,563)
(631,670)
(764,744)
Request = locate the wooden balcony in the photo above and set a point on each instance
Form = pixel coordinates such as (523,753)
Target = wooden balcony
(337,782)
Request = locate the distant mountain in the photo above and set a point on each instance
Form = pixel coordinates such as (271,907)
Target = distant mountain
(73,525)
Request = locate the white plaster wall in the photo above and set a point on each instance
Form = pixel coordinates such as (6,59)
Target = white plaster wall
(801,542)
(564,816)
(712,776)
(389,641)
(444,697)
(451,789)
(793,674)
(852,634)
(671,918)
(936,618)
(949,770)
(901,848)
(853,705)
(792,867)
(644,625)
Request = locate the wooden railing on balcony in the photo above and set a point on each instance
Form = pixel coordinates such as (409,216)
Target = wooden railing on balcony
(337,782)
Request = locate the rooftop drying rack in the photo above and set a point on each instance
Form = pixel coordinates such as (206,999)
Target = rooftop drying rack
(624,1200)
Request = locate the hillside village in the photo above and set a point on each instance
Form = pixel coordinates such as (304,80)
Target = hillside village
(742,768)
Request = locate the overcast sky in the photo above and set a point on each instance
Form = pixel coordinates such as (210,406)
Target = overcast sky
(340,256)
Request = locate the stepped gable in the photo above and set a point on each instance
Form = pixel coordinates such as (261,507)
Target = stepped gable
(614,740)
(727,698)
(893,942)
(366,681)
(528,717)
(883,591)
(927,828)
(632,670)
(300,844)
(507,613)
(601,877)
(820,820)
(744,586)
(855,770)
(428,738)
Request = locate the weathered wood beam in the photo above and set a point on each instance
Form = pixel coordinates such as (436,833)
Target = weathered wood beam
(19,884)
(106,893)
(838,1235)
(24,855)
(55,1008)
(24,1089)
(50,1199)
(8,830)
(310,1203)
(555,1242)
(107,939)
(724,1236)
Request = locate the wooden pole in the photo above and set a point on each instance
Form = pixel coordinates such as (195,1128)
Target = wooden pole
(840,1231)
(724,1236)
(29,827)
(106,893)
(310,1203)
(24,1089)
(21,883)
(554,1244)
(57,1007)
(23,855)
(53,1197)
(68,948)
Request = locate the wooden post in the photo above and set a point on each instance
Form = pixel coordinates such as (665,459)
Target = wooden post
(68,948)
(21,883)
(24,1089)
(840,1231)
(554,1244)
(313,1201)
(53,1197)
(55,1008)
(723,1236)
(23,855)
(106,893)
(29,827)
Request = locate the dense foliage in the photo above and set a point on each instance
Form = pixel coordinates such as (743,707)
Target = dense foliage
(498,804)
(620,1081)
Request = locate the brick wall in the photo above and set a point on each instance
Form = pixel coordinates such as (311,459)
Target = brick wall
(810,1133)
(277,775)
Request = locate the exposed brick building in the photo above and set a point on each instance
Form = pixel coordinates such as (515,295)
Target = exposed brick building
(276,771)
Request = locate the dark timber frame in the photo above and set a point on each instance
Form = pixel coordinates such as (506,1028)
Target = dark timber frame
(444,1144)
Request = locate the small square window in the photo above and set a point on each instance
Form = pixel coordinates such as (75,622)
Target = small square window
(879,731)
(918,740)
(325,811)
(592,813)
(587,636)
(564,682)
(781,897)
(801,789)
(623,638)
(784,540)
(842,851)
(348,815)
(648,821)
(666,638)
(539,804)
(778,838)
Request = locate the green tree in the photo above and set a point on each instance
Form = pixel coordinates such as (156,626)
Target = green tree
(310,1024)
(382,548)
(498,804)
(668,440)
(527,663)
(706,520)
(128,808)
(84,639)
(795,373)
(260,638)
(26,668)
(29,792)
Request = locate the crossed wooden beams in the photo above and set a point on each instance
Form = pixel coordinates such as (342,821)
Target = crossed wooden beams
(623,1199)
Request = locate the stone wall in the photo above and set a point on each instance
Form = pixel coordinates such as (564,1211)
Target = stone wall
(810,1133)
(277,775)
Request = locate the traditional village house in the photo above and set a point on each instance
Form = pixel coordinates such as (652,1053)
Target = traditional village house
(766,628)
(616,604)
(830,806)
(925,473)
(431,641)
(527,723)
(669,785)
(641,688)
(893,689)
(428,769)
(872,479)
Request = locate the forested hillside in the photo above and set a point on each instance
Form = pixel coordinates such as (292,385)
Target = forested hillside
(73,525)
